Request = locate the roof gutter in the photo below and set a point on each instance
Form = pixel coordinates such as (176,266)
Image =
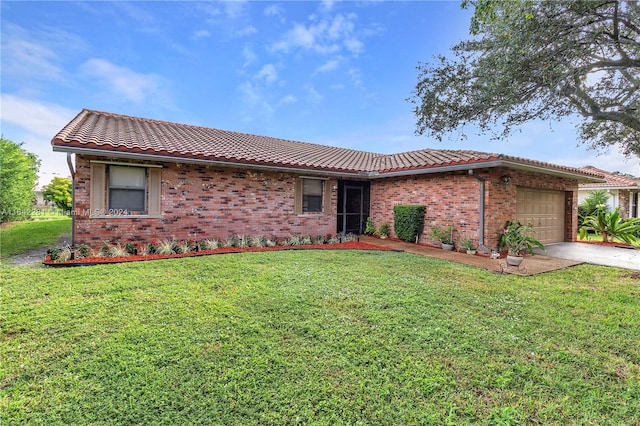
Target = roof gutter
(170,159)
(323,172)
(546,170)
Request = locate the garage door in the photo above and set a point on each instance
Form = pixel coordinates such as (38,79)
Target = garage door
(545,210)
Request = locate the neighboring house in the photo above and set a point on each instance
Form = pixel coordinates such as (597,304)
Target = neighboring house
(623,191)
(140,179)
(38,198)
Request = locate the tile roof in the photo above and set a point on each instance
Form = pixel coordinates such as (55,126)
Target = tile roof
(105,133)
(613,180)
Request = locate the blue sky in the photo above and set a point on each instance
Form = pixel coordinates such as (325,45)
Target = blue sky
(334,73)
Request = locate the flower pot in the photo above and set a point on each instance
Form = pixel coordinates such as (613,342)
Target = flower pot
(447,246)
(471,252)
(514,260)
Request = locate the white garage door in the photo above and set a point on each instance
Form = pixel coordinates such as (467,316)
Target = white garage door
(545,210)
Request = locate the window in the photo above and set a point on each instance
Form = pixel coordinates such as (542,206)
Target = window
(127,188)
(312,195)
(122,189)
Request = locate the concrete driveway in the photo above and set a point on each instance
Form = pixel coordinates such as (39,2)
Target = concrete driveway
(595,254)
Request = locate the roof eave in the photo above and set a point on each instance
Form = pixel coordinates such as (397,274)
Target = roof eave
(552,171)
(623,187)
(484,165)
(220,163)
(463,166)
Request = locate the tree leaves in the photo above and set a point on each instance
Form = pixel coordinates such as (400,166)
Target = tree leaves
(542,60)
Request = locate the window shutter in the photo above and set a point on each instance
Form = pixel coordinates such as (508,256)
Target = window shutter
(326,197)
(98,189)
(298,196)
(154,191)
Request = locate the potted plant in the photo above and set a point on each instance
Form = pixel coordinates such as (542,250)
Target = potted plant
(468,245)
(444,234)
(518,239)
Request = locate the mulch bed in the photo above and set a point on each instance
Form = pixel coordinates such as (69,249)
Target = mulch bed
(89,261)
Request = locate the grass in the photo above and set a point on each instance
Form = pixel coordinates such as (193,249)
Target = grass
(318,337)
(20,237)
(598,238)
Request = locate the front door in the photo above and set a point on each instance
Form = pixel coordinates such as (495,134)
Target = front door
(353,206)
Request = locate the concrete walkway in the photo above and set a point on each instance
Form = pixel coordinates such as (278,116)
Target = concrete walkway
(531,266)
(595,254)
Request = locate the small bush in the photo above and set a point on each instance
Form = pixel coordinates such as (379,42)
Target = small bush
(82,251)
(384,231)
(369,228)
(408,221)
(131,248)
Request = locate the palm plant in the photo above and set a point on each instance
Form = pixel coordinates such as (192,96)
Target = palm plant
(595,203)
(610,226)
(518,239)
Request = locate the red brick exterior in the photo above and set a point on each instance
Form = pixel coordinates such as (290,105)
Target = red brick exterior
(623,202)
(201,201)
(455,197)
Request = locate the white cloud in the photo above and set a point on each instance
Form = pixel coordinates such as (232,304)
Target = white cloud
(201,34)
(35,123)
(328,66)
(249,56)
(121,81)
(34,117)
(288,99)
(327,4)
(313,96)
(326,36)
(268,74)
(354,45)
(273,10)
(246,31)
(36,52)
(610,161)
(356,76)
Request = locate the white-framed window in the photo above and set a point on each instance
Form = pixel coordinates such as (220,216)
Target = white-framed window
(312,196)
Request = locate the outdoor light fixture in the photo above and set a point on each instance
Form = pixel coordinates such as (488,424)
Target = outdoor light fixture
(505,179)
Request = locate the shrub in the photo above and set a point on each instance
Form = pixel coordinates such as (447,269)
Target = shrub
(384,231)
(117,251)
(131,248)
(610,226)
(258,241)
(166,247)
(369,228)
(319,239)
(408,221)
(82,251)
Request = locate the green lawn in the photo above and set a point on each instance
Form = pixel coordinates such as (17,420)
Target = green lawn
(317,337)
(20,237)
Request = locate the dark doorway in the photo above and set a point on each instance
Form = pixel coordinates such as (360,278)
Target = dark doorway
(353,206)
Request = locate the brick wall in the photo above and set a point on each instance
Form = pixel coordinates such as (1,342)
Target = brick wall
(205,202)
(201,201)
(623,202)
(454,197)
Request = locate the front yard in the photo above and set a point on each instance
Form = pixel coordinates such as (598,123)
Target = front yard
(322,337)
